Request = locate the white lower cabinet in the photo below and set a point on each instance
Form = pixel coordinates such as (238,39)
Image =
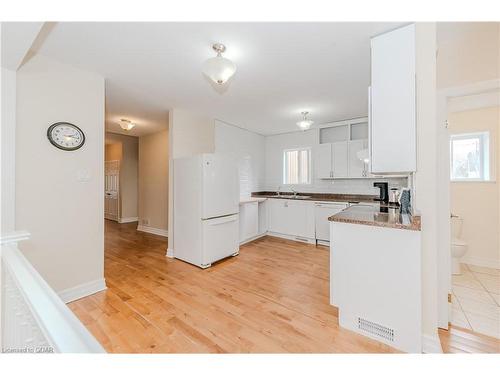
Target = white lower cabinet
(292,218)
(263,217)
(249,220)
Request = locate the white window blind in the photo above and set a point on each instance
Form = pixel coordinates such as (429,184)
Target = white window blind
(296,166)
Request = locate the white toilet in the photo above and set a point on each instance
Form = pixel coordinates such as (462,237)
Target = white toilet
(458,246)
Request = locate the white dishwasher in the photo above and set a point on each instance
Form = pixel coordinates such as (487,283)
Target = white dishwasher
(322,211)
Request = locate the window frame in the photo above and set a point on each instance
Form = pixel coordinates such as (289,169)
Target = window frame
(284,165)
(484,155)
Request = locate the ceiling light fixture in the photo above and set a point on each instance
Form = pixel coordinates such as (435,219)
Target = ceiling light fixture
(218,68)
(304,124)
(126,124)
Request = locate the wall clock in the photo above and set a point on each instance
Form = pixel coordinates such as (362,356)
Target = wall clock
(66,136)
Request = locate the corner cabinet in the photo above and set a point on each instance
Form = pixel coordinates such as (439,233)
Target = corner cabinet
(392,98)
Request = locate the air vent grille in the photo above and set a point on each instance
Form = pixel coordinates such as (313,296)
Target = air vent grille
(376,329)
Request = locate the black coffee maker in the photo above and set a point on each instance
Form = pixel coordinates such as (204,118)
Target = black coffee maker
(384,191)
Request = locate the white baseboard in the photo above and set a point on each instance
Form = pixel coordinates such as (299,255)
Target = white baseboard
(157,231)
(431,344)
(128,220)
(481,262)
(170,253)
(253,238)
(311,241)
(82,290)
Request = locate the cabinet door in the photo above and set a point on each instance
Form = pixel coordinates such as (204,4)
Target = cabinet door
(339,159)
(249,220)
(323,160)
(263,217)
(291,217)
(357,168)
(278,217)
(392,112)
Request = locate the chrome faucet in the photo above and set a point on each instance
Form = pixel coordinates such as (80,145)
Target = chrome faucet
(278,193)
(294,192)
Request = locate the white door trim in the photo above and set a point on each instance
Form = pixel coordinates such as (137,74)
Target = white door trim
(476,95)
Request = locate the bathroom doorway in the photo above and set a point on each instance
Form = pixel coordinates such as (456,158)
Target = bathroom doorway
(469,265)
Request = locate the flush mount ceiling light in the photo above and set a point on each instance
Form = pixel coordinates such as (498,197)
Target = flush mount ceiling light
(304,124)
(126,124)
(218,68)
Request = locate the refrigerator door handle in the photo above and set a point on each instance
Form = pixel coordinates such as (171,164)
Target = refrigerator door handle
(222,220)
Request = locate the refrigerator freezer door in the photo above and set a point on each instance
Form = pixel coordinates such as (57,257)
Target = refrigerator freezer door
(220,238)
(221,187)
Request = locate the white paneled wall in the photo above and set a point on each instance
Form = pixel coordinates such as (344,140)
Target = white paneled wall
(249,149)
(275,145)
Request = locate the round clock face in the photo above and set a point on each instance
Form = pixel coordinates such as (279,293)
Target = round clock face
(66,136)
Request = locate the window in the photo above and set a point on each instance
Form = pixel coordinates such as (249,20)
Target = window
(297,166)
(469,156)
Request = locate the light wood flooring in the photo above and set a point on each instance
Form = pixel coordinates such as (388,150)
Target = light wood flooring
(271,298)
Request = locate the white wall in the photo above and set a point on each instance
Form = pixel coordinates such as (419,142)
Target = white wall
(62,211)
(153,180)
(472,201)
(468,52)
(7,134)
(426,177)
(191,133)
(276,144)
(248,149)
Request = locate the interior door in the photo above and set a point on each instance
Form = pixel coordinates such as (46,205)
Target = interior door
(111,190)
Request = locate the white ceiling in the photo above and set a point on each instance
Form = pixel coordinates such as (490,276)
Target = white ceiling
(282,69)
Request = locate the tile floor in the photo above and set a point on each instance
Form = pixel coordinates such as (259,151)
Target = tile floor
(476,300)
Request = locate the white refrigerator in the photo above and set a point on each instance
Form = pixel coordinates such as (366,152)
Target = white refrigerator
(206,209)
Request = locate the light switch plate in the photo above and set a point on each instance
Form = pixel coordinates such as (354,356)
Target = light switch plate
(83,175)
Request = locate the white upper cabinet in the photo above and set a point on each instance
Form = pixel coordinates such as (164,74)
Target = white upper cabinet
(339,159)
(323,156)
(357,168)
(392,102)
(336,155)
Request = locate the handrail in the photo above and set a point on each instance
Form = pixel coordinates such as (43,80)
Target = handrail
(32,304)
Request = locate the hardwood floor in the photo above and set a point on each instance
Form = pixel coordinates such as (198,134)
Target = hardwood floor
(271,298)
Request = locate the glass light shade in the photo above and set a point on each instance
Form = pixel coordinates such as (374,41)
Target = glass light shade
(305,124)
(126,125)
(219,69)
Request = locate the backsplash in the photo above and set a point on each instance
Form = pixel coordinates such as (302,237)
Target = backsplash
(347,186)
(260,163)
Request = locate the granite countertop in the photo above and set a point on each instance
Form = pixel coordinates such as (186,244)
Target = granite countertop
(377,216)
(323,197)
